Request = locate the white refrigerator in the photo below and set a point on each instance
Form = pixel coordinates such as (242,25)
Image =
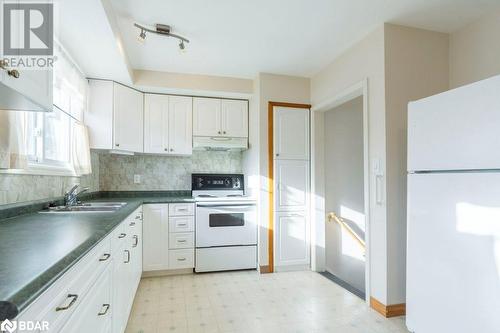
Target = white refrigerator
(453,248)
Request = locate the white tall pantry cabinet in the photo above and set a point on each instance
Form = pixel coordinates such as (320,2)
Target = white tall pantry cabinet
(291,187)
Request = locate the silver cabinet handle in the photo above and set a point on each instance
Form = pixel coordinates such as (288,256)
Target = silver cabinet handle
(138,217)
(117,144)
(136,241)
(224,132)
(105,257)
(128,257)
(182,224)
(181,241)
(132,224)
(219,132)
(181,259)
(171,149)
(165,149)
(122,235)
(182,209)
(11,72)
(105,310)
(73,297)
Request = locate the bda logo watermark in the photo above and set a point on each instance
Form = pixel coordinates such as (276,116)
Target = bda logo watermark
(8,326)
(28,34)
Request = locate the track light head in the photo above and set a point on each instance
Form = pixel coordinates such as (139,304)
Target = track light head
(142,36)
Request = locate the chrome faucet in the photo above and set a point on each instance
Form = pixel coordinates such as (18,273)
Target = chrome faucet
(71,197)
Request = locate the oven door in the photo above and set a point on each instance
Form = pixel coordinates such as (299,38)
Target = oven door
(226,224)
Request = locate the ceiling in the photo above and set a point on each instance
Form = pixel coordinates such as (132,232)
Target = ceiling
(240,38)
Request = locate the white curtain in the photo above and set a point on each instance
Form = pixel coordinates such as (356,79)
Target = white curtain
(70,85)
(13,140)
(80,150)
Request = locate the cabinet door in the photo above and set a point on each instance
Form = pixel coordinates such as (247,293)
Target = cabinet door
(292,239)
(94,312)
(99,114)
(207,116)
(291,133)
(234,118)
(156,123)
(291,185)
(121,290)
(128,119)
(180,131)
(155,237)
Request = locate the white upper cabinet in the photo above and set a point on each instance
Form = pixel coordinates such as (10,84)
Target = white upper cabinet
(180,130)
(115,116)
(168,124)
(155,123)
(207,116)
(291,133)
(220,118)
(128,118)
(234,118)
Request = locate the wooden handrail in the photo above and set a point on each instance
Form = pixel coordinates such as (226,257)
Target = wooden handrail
(333,217)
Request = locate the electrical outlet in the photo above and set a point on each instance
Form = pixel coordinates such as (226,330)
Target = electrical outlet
(137,179)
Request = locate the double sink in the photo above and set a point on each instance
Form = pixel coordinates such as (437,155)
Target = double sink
(87,207)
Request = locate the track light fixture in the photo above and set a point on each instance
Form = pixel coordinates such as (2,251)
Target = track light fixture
(161,29)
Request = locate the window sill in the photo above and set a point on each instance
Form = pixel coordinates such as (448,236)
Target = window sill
(41,171)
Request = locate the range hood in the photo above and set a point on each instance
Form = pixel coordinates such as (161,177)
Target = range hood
(12,100)
(219,143)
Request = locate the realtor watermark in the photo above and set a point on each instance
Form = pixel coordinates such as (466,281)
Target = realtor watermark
(11,326)
(27,34)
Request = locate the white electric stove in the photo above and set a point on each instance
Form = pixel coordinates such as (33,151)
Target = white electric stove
(226,223)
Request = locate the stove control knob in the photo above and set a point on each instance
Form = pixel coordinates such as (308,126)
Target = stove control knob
(236,183)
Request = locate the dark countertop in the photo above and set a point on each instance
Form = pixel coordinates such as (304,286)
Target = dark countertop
(37,248)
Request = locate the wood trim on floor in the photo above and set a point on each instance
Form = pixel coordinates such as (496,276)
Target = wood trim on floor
(264,269)
(270,172)
(388,311)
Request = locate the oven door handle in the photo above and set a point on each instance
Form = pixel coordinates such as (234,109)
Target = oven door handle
(227,206)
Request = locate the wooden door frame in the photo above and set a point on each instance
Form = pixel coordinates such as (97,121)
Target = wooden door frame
(270,156)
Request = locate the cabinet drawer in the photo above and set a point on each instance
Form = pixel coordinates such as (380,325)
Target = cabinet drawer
(181,259)
(181,224)
(181,240)
(58,303)
(180,209)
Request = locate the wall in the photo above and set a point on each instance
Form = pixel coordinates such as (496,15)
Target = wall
(16,188)
(416,66)
(475,51)
(276,88)
(344,193)
(162,172)
(365,60)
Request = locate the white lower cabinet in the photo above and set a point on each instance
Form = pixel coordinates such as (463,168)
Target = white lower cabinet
(97,293)
(168,236)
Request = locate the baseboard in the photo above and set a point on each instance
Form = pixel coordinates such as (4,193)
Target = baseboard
(265,269)
(167,272)
(393,310)
(292,268)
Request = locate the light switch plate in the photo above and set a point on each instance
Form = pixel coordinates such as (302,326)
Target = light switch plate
(137,179)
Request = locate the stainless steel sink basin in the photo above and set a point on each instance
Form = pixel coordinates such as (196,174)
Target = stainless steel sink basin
(88,207)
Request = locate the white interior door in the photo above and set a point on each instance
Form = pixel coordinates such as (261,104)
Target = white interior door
(453,252)
(292,239)
(180,125)
(291,133)
(207,116)
(234,118)
(292,185)
(156,123)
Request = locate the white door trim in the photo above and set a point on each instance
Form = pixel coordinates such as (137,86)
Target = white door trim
(318,213)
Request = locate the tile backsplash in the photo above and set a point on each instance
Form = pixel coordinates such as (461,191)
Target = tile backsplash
(20,187)
(116,172)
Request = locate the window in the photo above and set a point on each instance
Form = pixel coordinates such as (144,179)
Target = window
(48,141)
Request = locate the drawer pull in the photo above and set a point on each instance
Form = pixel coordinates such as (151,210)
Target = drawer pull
(182,224)
(181,241)
(181,259)
(122,235)
(138,217)
(128,257)
(104,311)
(105,257)
(136,238)
(73,300)
(182,209)
(132,224)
